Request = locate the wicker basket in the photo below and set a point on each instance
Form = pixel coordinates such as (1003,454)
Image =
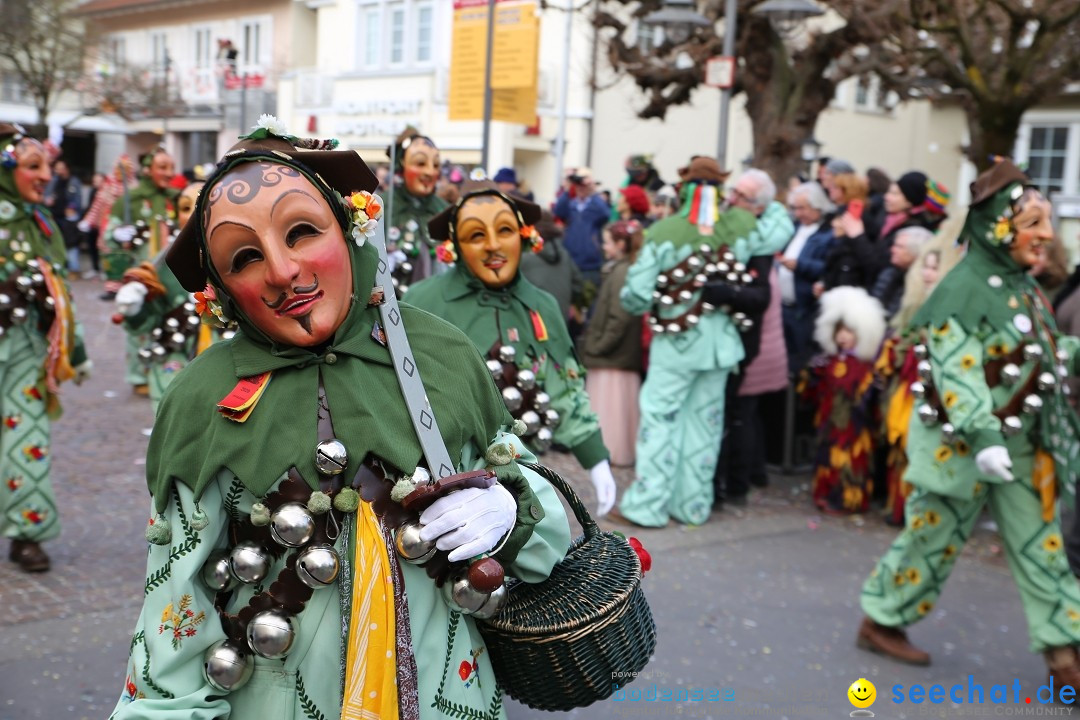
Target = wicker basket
(563,643)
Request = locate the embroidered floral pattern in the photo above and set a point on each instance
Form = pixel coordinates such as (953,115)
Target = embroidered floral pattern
(182,621)
(469,671)
(35,452)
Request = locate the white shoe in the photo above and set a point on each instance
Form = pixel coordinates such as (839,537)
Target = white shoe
(89,275)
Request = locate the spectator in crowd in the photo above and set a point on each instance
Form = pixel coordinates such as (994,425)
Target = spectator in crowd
(937,257)
(611,346)
(63,197)
(552,269)
(850,260)
(889,286)
(664,203)
(641,172)
(90,232)
(633,204)
(507,181)
(830,169)
(874,213)
(583,213)
(801,265)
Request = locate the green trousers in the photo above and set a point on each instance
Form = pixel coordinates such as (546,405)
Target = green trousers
(906,583)
(682,419)
(136,367)
(27,503)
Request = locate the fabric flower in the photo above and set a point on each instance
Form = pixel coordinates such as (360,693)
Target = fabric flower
(532,238)
(208,307)
(271,124)
(643,555)
(366,210)
(445,252)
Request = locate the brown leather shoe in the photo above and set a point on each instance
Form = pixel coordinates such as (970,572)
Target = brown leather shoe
(143,390)
(29,556)
(890,641)
(1064,665)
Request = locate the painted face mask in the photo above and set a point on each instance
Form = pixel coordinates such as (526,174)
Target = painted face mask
(489,239)
(421,167)
(185,204)
(32,173)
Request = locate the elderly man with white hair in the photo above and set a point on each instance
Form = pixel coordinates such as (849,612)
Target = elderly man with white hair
(889,285)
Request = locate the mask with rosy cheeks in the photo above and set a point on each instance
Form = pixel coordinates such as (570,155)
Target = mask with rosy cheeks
(280,253)
(32,173)
(421,168)
(161,170)
(489,239)
(185,204)
(1032,230)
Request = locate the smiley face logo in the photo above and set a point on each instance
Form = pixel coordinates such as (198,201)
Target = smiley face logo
(862,693)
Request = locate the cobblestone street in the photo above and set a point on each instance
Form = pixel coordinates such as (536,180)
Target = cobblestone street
(762,600)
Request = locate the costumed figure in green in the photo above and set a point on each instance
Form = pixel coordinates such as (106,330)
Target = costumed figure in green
(517,326)
(991,425)
(293,571)
(141,224)
(153,304)
(413,202)
(40,347)
(694,348)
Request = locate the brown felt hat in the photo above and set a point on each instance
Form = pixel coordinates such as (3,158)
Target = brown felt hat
(440,226)
(341,171)
(703,169)
(995,179)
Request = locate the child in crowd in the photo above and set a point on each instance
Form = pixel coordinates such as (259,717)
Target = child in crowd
(840,383)
(611,346)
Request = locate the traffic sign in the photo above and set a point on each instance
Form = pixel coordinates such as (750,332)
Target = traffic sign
(720,71)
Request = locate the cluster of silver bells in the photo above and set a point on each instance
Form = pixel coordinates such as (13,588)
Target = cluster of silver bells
(143,231)
(174,335)
(403,271)
(271,633)
(459,593)
(701,271)
(525,401)
(1046,383)
(28,286)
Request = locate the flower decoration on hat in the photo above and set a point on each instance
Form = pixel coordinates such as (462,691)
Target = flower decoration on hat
(1003,232)
(445,252)
(366,210)
(532,238)
(8,156)
(209,308)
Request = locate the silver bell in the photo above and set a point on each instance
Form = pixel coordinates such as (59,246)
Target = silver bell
(739,268)
(921,352)
(667,300)
(189,307)
(331,457)
(531,420)
(5,301)
(526,379)
(1011,426)
(1062,355)
(541,401)
(732,277)
(228,666)
(551,417)
(927,414)
(462,596)
(50,303)
(158,350)
(23,283)
(493,604)
(1062,371)
(270,634)
(542,440)
(1033,404)
(215,572)
(156,333)
(925,371)
(711,269)
(723,268)
(686,296)
(662,280)
(249,562)
(745,324)
(172,323)
(177,338)
(692,320)
(1046,382)
(495,368)
(512,398)
(507,353)
(1010,374)
(672,328)
(193,321)
(1032,352)
(38,279)
(18,315)
(145,355)
(406,269)
(410,547)
(292,525)
(678,274)
(948,433)
(700,279)
(317,566)
(695,262)
(918,390)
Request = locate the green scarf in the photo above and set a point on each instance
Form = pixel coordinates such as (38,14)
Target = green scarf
(192,442)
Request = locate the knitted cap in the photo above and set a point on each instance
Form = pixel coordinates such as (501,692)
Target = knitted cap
(636,199)
(838,167)
(913,186)
(937,197)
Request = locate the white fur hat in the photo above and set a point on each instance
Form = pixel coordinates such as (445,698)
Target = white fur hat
(859,312)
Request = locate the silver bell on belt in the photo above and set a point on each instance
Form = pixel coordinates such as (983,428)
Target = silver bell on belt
(460,595)
(495,368)
(541,401)
(1011,426)
(542,440)
(270,634)
(1010,374)
(216,574)
(410,547)
(331,457)
(227,666)
(493,604)
(526,379)
(292,525)
(317,566)
(507,353)
(531,420)
(511,398)
(1033,404)
(927,414)
(249,562)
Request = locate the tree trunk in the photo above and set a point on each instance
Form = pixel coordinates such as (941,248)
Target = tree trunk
(993,130)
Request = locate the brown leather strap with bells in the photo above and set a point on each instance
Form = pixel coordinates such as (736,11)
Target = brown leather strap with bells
(697,272)
(23,289)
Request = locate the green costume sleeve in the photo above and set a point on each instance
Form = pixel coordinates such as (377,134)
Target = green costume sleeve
(178,623)
(579,428)
(637,293)
(1071,345)
(957,359)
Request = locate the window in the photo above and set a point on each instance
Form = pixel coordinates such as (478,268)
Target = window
(159,55)
(116,52)
(201,50)
(424,18)
(1047,153)
(397,34)
(648,37)
(253,38)
(370,20)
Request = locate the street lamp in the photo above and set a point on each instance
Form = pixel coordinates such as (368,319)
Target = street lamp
(785,15)
(678,19)
(809,150)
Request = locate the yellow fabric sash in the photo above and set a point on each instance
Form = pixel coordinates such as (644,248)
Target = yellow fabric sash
(371,667)
(61,336)
(1045,483)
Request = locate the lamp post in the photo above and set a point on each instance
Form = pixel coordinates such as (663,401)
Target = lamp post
(810,149)
(786,15)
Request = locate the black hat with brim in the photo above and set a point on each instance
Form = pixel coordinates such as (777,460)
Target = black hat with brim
(441,226)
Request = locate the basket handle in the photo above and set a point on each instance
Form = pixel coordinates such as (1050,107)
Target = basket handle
(588,525)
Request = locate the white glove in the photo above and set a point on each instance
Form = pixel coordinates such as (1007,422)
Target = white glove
(82,371)
(995,462)
(129,298)
(123,233)
(604,485)
(470,521)
(84,227)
